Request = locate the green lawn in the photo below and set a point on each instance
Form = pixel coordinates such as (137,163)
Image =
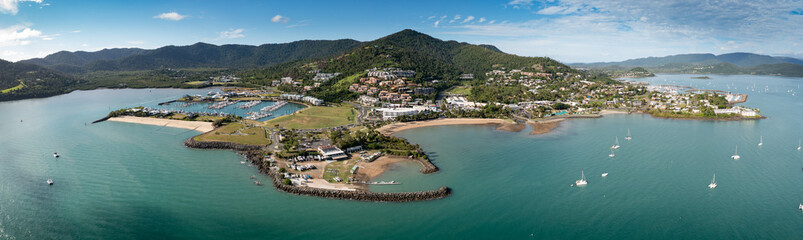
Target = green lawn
(342,168)
(18,87)
(252,135)
(462,90)
(316,117)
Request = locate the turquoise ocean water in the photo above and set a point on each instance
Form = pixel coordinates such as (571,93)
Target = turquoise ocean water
(128,181)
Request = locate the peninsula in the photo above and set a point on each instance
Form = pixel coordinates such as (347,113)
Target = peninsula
(353,103)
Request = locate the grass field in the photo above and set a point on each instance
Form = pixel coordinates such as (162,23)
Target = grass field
(18,87)
(196,82)
(462,90)
(229,133)
(316,117)
(342,168)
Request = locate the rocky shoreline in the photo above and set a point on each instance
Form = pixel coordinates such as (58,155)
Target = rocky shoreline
(191,143)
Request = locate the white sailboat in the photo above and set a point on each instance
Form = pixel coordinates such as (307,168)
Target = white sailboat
(582,181)
(611,155)
(761,141)
(616,145)
(713,182)
(736,154)
(628,135)
(798,145)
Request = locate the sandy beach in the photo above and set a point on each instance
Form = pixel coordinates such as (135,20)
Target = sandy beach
(396,127)
(378,166)
(608,112)
(192,125)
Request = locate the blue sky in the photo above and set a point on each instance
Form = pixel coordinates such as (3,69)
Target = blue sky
(568,30)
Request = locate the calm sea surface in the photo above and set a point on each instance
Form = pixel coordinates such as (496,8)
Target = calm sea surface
(128,181)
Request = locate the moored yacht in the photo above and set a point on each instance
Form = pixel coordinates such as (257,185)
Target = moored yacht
(611,155)
(616,145)
(604,174)
(55,155)
(761,141)
(798,145)
(49,181)
(628,135)
(713,183)
(582,181)
(736,154)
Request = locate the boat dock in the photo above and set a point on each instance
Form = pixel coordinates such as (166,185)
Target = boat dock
(274,107)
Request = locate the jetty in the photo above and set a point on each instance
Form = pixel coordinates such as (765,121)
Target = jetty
(274,107)
(223,104)
(257,115)
(249,104)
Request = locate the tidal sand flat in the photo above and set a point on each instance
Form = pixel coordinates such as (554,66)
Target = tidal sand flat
(397,127)
(192,125)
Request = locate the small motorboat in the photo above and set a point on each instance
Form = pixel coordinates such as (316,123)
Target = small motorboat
(604,174)
(257,183)
(252,177)
(55,155)
(49,181)
(800,207)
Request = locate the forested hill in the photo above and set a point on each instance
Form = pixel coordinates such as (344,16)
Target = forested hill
(22,80)
(193,56)
(430,58)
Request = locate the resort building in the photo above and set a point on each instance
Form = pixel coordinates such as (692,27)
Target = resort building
(332,152)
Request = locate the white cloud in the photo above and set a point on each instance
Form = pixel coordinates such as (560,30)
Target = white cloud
(76,31)
(12,6)
(482,19)
(456,17)
(301,23)
(279,19)
(468,19)
(431,17)
(521,2)
(173,16)
(17,35)
(492,22)
(232,33)
(439,21)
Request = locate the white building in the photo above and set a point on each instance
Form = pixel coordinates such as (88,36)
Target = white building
(391,113)
(332,152)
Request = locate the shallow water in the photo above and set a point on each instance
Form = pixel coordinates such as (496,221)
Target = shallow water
(129,181)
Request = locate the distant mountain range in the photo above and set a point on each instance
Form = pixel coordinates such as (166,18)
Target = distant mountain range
(731,63)
(192,56)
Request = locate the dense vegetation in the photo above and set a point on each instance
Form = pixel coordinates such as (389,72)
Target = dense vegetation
(372,139)
(21,80)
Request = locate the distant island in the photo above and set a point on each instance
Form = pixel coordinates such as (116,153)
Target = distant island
(701,77)
(727,64)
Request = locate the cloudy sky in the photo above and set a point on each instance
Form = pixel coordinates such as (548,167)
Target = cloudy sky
(568,30)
